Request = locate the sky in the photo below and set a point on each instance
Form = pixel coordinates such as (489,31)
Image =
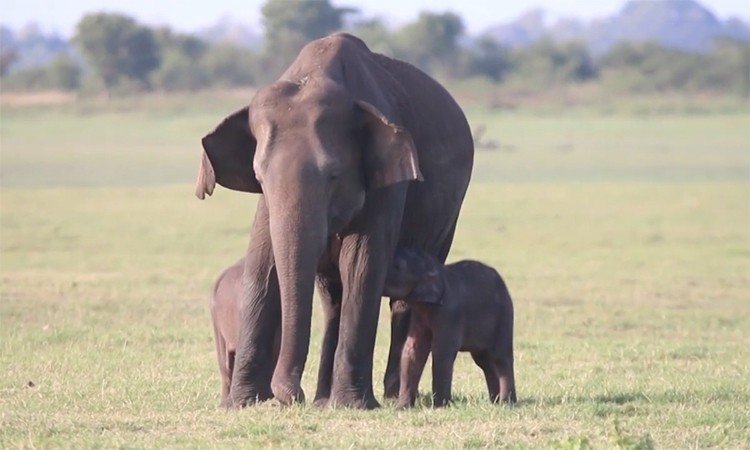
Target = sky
(60,16)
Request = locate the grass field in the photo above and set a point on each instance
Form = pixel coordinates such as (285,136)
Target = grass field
(625,241)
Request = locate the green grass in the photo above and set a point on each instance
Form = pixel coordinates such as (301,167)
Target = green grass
(628,257)
(156,141)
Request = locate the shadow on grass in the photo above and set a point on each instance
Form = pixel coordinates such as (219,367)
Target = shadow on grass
(724,393)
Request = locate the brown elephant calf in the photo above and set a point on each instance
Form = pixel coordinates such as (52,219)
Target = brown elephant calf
(226,316)
(457,307)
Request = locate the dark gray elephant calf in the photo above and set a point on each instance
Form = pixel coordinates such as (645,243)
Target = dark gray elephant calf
(459,307)
(227,320)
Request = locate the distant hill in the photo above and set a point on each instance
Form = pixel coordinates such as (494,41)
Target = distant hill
(681,24)
(228,30)
(31,46)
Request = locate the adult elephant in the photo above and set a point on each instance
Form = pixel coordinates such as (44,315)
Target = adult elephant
(333,147)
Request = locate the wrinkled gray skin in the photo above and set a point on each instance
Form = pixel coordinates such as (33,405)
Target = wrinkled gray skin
(353,153)
(227,321)
(459,307)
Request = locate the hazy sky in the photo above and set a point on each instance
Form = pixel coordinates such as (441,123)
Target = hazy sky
(188,15)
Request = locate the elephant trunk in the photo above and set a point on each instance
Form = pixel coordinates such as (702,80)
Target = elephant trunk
(298,235)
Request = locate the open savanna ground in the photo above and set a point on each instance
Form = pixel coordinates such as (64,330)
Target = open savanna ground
(624,239)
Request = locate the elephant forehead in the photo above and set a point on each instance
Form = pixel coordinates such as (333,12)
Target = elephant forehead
(309,124)
(316,97)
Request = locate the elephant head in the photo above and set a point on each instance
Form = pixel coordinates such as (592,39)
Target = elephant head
(415,275)
(313,147)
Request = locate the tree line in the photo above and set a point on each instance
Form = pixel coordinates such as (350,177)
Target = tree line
(122,56)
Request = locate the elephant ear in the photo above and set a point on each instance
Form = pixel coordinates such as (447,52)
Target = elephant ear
(228,154)
(390,155)
(431,290)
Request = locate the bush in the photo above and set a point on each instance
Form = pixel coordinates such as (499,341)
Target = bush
(547,62)
(63,73)
(489,59)
(180,72)
(648,68)
(118,48)
(229,65)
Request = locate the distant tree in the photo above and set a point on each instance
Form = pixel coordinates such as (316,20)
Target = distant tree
(489,59)
(730,66)
(375,34)
(8,56)
(117,48)
(229,65)
(64,73)
(188,45)
(179,72)
(181,57)
(648,67)
(290,24)
(550,62)
(31,79)
(431,42)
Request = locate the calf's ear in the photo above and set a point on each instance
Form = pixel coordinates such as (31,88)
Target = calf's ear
(431,290)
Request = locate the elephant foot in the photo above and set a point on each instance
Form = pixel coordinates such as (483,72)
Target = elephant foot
(391,388)
(239,401)
(440,402)
(402,405)
(508,399)
(321,402)
(287,392)
(353,401)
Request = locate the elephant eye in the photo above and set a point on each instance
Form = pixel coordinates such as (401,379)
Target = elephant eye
(333,174)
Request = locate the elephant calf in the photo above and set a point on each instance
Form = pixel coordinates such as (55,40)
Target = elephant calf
(226,316)
(458,307)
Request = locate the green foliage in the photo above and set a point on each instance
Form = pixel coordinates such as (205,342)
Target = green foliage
(8,57)
(127,57)
(290,24)
(650,68)
(727,68)
(489,59)
(548,62)
(62,73)
(376,35)
(118,48)
(308,20)
(180,67)
(228,65)
(185,44)
(179,72)
(431,43)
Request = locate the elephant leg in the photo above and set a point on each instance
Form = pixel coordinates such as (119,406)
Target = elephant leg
(483,360)
(413,359)
(399,329)
(506,379)
(224,372)
(365,256)
(444,353)
(503,357)
(330,291)
(261,318)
